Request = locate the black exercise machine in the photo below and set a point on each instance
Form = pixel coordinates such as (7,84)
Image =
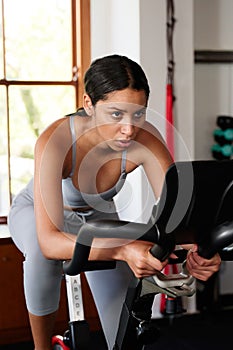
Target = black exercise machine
(195,207)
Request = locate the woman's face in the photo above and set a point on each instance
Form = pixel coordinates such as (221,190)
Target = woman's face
(119,118)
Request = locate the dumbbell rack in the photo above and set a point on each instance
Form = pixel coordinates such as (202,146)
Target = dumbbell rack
(223,136)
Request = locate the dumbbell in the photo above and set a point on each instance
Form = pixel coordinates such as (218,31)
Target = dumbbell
(222,152)
(223,136)
(225,122)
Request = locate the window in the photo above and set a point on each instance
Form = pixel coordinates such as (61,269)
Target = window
(44,51)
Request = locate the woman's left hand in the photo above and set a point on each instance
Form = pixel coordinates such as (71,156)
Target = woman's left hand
(199,267)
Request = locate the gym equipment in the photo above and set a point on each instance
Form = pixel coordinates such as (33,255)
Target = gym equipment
(170,98)
(222,152)
(225,122)
(224,138)
(195,206)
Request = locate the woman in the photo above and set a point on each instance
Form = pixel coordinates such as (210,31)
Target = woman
(81,163)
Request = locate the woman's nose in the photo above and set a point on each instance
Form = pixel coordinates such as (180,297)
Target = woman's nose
(127,129)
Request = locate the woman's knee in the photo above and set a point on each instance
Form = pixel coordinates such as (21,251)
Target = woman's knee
(42,283)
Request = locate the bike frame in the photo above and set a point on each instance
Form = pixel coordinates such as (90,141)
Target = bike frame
(200,185)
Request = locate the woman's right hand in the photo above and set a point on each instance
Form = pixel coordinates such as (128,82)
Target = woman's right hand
(138,257)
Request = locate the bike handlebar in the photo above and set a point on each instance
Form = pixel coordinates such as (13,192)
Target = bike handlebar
(220,238)
(105,229)
(218,241)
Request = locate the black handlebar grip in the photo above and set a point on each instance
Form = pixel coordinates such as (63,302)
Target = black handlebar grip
(164,248)
(158,252)
(206,251)
(220,237)
(76,265)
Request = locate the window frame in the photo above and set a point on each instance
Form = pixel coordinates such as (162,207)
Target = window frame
(81,52)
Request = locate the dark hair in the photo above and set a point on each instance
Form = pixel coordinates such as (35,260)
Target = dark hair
(112,73)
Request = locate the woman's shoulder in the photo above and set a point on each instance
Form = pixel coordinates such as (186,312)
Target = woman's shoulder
(57,127)
(152,140)
(149,133)
(57,133)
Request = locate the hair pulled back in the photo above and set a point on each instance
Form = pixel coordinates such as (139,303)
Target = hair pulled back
(112,73)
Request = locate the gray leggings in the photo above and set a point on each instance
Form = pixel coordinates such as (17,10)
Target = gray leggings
(42,277)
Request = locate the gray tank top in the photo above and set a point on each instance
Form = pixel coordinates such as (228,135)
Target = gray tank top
(76,199)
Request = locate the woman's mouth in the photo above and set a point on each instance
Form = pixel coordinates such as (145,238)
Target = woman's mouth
(123,143)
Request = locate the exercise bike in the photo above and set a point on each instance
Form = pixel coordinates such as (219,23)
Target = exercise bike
(195,207)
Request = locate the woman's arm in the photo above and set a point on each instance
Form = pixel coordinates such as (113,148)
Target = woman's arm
(155,157)
(50,156)
(50,152)
(197,266)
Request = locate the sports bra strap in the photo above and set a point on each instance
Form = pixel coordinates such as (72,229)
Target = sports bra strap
(123,161)
(73,135)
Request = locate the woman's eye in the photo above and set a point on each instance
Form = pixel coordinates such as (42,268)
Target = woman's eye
(116,114)
(139,114)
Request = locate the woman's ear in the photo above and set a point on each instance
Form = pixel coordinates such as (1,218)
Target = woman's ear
(87,104)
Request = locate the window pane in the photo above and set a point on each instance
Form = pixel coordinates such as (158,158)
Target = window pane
(38,39)
(4,183)
(1,44)
(32,109)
